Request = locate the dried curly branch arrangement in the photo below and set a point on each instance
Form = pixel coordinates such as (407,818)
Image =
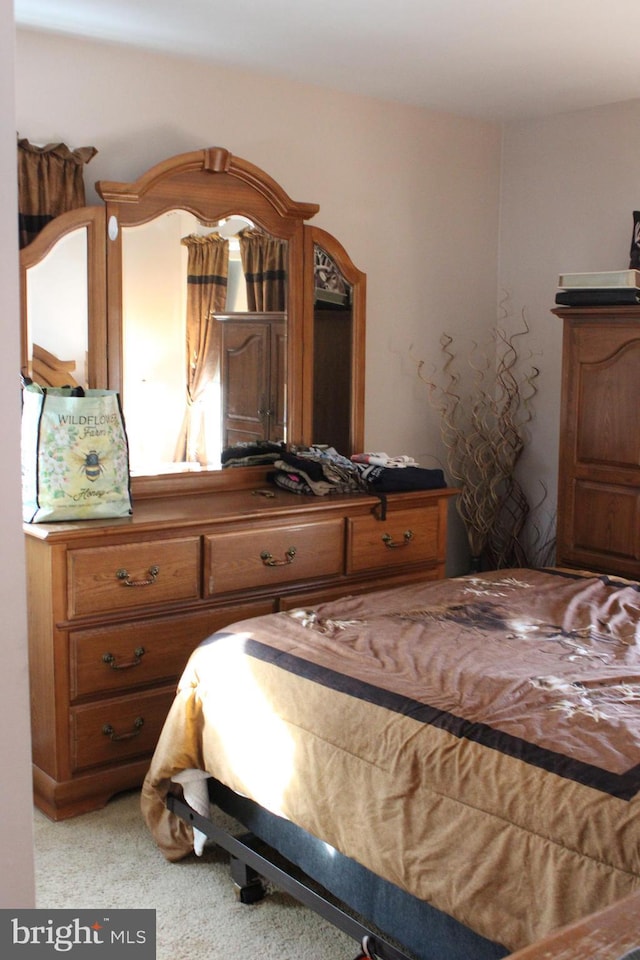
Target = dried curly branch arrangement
(484,430)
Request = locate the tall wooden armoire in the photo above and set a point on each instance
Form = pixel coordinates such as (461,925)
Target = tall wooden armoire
(599,467)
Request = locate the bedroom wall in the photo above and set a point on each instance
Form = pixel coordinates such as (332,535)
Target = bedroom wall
(16,845)
(412,195)
(570,185)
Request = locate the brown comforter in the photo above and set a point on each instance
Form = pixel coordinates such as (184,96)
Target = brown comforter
(475,741)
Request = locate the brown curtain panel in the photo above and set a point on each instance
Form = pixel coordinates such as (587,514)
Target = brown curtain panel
(207,272)
(50,182)
(264,265)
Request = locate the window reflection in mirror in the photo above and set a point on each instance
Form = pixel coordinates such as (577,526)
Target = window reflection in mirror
(175,394)
(57,313)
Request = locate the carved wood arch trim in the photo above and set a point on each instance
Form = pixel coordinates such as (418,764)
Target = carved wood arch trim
(215,161)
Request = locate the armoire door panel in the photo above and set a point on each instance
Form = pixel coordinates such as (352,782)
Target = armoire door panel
(606,518)
(599,453)
(608,426)
(253,378)
(245,377)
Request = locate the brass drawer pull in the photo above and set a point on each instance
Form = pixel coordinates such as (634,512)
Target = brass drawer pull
(110,732)
(270,561)
(110,659)
(388,540)
(123,575)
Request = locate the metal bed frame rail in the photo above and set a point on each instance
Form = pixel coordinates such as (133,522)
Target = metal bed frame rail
(249,866)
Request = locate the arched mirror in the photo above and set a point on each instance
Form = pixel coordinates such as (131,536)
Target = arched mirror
(337,290)
(204,322)
(63,301)
(231,325)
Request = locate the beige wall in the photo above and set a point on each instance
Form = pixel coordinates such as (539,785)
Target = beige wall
(16,850)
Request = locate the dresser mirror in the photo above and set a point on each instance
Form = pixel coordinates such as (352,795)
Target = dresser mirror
(200,373)
(223,319)
(63,302)
(338,291)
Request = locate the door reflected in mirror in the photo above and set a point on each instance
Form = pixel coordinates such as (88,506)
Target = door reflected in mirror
(184,287)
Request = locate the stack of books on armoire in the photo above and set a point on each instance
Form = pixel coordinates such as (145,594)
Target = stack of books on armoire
(609,288)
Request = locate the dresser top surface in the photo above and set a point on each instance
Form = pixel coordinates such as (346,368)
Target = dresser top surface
(263,503)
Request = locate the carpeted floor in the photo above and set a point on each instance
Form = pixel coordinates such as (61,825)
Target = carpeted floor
(107,859)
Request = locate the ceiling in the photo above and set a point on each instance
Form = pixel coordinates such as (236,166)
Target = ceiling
(492,59)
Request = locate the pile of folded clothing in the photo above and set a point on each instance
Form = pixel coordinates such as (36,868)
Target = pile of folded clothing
(251,454)
(317,470)
(321,470)
(383,460)
(391,480)
(385,474)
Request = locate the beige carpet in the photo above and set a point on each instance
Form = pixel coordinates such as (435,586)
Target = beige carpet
(107,859)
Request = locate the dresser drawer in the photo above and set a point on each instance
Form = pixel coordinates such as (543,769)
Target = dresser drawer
(118,657)
(119,729)
(107,579)
(272,555)
(404,537)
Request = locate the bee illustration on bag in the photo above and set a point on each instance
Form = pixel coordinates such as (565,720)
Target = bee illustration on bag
(91,464)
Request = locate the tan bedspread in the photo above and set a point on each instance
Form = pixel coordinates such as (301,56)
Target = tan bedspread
(475,741)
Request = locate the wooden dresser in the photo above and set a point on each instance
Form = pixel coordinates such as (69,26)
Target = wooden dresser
(115,608)
(599,470)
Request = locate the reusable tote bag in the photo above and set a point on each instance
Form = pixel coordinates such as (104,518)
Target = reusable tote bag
(75,455)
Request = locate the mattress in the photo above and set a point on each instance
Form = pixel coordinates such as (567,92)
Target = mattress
(474,741)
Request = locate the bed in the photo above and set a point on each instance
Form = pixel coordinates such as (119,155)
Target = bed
(463,754)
